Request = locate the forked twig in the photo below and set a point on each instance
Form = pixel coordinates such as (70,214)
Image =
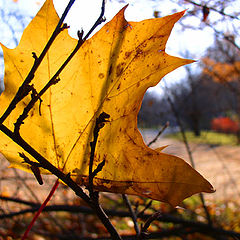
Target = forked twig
(100,122)
(55,79)
(145,208)
(214,9)
(132,214)
(147,224)
(25,88)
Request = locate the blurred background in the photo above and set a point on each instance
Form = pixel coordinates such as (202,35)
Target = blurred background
(195,110)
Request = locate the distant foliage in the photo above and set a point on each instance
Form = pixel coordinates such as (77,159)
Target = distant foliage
(222,71)
(225,124)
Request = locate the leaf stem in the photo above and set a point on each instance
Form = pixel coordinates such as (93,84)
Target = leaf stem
(41,209)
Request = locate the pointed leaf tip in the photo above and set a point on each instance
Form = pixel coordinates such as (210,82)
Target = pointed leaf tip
(110,73)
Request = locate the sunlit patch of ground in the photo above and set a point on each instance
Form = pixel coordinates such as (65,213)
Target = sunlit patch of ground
(220,165)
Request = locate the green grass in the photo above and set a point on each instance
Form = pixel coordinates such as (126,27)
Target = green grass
(207,137)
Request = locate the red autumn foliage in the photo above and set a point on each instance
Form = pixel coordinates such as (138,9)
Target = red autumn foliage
(224,124)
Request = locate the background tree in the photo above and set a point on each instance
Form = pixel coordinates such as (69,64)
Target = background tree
(155,112)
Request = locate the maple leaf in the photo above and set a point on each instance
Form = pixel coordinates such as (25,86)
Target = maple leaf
(110,73)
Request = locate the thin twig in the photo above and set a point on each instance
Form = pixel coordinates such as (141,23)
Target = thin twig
(147,224)
(41,209)
(189,154)
(24,89)
(132,214)
(34,166)
(45,163)
(100,122)
(213,9)
(55,79)
(64,177)
(159,134)
(145,208)
(167,218)
(15,136)
(94,195)
(18,200)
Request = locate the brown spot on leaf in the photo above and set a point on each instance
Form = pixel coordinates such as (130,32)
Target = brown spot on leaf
(139,52)
(127,54)
(119,85)
(101,75)
(149,154)
(120,68)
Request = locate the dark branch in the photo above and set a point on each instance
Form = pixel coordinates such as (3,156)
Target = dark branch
(56,78)
(159,134)
(132,213)
(23,89)
(213,9)
(44,163)
(192,226)
(147,224)
(100,122)
(189,154)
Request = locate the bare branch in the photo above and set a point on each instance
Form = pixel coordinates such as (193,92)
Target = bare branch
(158,135)
(23,89)
(213,9)
(132,213)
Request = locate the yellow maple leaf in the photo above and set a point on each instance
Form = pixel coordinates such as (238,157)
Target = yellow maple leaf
(110,73)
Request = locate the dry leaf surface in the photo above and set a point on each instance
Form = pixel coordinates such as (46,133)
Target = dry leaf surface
(110,73)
